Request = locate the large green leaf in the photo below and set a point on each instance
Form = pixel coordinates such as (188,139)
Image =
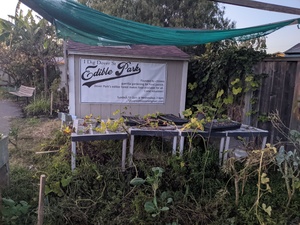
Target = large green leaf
(8,202)
(66,181)
(23,207)
(137,181)
(149,207)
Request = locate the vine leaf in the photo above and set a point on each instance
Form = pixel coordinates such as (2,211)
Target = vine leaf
(267,210)
(228,100)
(235,81)
(297,184)
(249,78)
(236,91)
(264,179)
(66,181)
(220,93)
(192,86)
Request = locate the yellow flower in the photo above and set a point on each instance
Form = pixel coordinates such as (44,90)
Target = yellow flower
(67,130)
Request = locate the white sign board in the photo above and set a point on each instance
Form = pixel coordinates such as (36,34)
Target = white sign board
(104,81)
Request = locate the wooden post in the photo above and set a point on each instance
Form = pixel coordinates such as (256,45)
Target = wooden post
(51,103)
(41,200)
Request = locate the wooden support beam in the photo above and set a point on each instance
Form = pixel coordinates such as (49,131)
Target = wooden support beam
(261,6)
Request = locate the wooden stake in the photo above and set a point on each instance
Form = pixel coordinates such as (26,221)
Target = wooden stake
(51,103)
(54,151)
(41,200)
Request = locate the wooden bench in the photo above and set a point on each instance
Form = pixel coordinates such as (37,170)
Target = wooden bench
(24,91)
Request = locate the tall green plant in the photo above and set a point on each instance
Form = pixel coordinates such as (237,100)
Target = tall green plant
(40,106)
(153,206)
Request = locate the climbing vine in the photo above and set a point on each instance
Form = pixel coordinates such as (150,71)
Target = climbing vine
(229,69)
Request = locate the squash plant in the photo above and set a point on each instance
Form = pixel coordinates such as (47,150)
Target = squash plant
(152,206)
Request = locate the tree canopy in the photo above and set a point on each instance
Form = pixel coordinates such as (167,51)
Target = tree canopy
(199,14)
(28,47)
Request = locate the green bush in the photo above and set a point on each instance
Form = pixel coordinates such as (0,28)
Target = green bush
(38,107)
(20,199)
(14,213)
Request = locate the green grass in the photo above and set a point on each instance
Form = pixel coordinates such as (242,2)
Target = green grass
(39,106)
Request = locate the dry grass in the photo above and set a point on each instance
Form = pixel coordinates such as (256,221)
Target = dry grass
(39,129)
(26,138)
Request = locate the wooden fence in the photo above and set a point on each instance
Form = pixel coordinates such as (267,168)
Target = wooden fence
(279,92)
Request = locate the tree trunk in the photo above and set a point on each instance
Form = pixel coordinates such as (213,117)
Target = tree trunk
(45,80)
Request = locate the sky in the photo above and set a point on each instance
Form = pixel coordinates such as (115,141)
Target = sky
(279,41)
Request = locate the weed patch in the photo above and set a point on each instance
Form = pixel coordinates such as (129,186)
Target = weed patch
(40,106)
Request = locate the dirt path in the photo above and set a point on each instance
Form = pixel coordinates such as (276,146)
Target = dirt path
(8,110)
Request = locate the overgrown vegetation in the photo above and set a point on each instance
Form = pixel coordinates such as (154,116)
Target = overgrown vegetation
(158,189)
(29,52)
(28,47)
(40,106)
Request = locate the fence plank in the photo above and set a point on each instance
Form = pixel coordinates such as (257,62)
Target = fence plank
(277,92)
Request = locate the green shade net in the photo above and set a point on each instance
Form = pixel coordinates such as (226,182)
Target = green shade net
(82,24)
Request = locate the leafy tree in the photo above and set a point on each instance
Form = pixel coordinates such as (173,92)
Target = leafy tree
(28,48)
(199,14)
